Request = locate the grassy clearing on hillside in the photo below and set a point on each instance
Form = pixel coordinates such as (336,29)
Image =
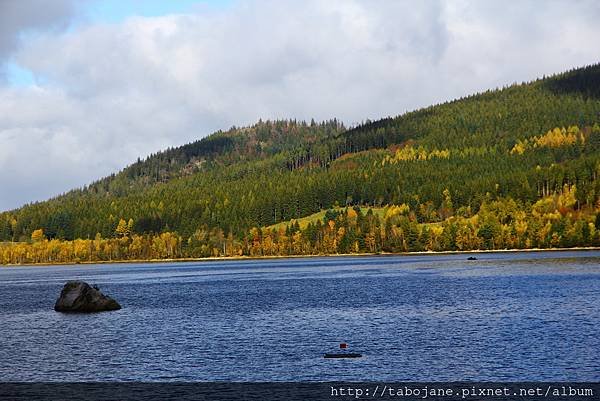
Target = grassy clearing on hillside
(303,221)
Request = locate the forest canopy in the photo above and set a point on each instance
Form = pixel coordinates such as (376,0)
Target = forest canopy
(515,167)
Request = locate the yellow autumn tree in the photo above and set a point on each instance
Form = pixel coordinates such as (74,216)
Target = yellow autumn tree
(38,235)
(122,228)
(567,199)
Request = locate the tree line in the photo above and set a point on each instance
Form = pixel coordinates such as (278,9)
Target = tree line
(503,223)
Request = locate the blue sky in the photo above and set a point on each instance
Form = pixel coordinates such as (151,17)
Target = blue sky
(18,76)
(119,10)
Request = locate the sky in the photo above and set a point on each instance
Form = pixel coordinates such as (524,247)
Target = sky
(88,86)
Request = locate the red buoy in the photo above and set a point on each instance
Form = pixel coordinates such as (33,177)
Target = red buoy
(343,345)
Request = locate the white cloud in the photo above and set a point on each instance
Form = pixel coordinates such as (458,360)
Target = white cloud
(19,17)
(113,92)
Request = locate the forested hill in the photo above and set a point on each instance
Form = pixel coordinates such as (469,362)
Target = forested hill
(523,144)
(223,148)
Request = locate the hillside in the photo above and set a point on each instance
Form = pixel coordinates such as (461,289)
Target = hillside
(522,153)
(323,215)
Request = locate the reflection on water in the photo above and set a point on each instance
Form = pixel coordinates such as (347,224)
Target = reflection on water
(505,316)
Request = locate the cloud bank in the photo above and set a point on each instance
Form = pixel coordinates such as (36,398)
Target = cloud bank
(108,93)
(18,17)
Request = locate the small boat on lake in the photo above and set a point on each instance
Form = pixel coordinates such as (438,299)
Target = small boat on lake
(343,353)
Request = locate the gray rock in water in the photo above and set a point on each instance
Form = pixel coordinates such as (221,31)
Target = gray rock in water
(78,296)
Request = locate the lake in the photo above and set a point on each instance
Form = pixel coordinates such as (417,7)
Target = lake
(504,317)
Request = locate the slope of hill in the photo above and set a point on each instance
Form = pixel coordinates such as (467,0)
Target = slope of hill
(323,215)
(523,153)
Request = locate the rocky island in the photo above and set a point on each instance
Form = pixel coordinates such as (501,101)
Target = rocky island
(80,297)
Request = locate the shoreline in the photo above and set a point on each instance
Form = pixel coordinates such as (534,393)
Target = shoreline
(266,257)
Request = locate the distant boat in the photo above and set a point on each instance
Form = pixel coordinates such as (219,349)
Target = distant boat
(471,258)
(343,353)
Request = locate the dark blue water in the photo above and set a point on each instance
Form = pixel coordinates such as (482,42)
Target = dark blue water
(506,316)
